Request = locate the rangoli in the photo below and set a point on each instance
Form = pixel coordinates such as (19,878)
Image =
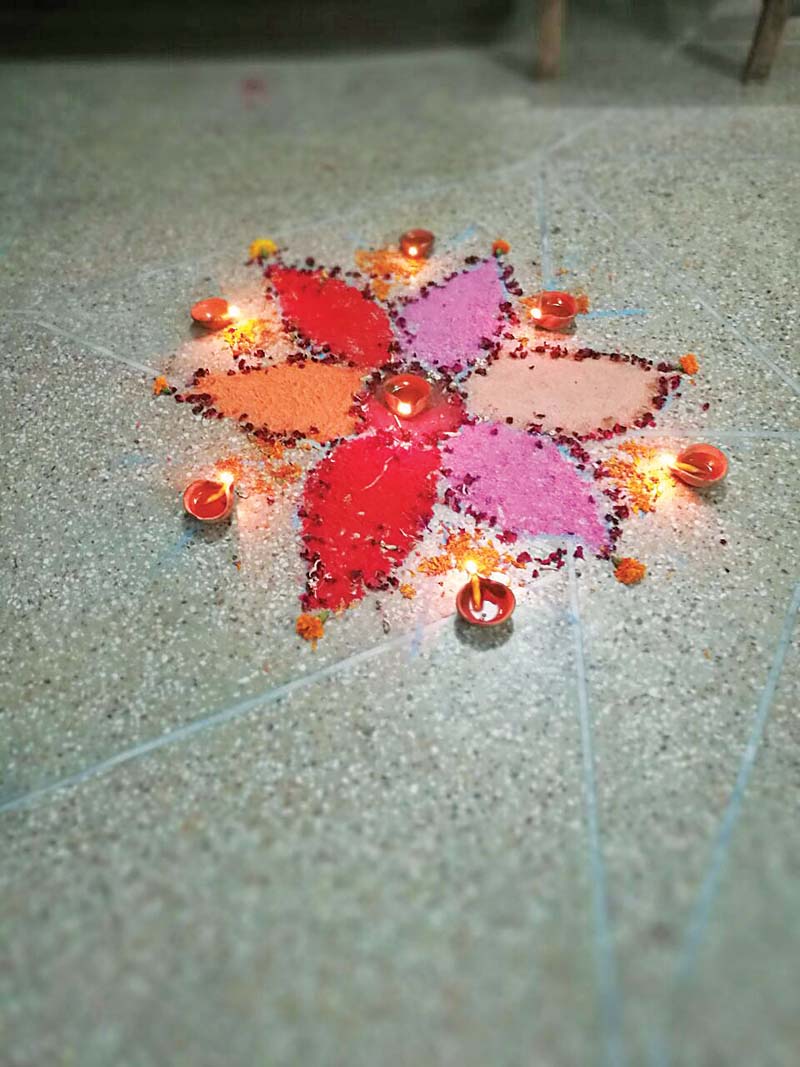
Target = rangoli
(505,439)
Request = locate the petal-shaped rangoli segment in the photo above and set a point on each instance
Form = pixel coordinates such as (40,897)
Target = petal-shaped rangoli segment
(305,398)
(365,506)
(564,393)
(522,483)
(448,324)
(328,311)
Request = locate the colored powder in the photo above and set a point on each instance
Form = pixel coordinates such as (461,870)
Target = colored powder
(464,547)
(448,325)
(522,483)
(642,473)
(308,397)
(445,415)
(387,266)
(365,507)
(565,394)
(250,334)
(328,311)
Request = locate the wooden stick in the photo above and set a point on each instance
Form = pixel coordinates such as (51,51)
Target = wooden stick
(771,24)
(551,21)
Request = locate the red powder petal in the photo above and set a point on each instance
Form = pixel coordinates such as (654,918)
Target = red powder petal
(365,507)
(328,311)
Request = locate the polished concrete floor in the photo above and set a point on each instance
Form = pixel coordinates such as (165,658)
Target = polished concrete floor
(576,846)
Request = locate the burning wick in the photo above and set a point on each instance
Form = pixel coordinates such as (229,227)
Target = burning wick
(475,583)
(406,395)
(214,313)
(700,466)
(210,500)
(417,244)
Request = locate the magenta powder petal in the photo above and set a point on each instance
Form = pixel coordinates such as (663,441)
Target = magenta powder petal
(448,325)
(523,481)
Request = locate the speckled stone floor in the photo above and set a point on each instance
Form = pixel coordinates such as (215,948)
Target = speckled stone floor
(578,845)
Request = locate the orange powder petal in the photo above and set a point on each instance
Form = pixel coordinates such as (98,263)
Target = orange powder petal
(311,398)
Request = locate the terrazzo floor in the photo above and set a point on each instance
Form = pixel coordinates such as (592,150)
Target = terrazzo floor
(576,844)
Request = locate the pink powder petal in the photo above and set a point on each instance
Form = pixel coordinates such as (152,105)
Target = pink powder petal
(448,325)
(328,311)
(524,482)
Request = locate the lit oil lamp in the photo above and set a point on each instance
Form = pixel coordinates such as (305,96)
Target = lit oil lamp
(554,310)
(210,499)
(417,244)
(700,466)
(483,601)
(406,395)
(214,313)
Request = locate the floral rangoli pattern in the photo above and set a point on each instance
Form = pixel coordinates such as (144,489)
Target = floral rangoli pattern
(504,441)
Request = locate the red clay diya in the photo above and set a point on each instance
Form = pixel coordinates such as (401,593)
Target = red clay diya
(209,500)
(485,602)
(406,395)
(700,466)
(417,244)
(554,310)
(214,313)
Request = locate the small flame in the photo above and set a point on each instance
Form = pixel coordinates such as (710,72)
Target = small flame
(669,459)
(234,312)
(471,567)
(413,250)
(225,478)
(404,408)
(536,313)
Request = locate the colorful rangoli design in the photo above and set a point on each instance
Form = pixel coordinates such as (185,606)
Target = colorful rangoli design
(506,439)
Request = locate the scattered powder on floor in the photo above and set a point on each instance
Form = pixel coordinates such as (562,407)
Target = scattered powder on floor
(306,397)
(563,393)
(521,483)
(386,267)
(364,508)
(468,546)
(249,334)
(328,311)
(448,325)
(252,475)
(642,473)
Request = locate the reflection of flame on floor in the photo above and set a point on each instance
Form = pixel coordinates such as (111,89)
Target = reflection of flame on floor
(645,477)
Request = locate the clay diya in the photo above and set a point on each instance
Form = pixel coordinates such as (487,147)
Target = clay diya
(554,310)
(406,395)
(485,602)
(209,499)
(700,466)
(417,244)
(214,313)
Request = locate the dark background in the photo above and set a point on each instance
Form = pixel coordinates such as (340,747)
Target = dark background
(177,27)
(97,28)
